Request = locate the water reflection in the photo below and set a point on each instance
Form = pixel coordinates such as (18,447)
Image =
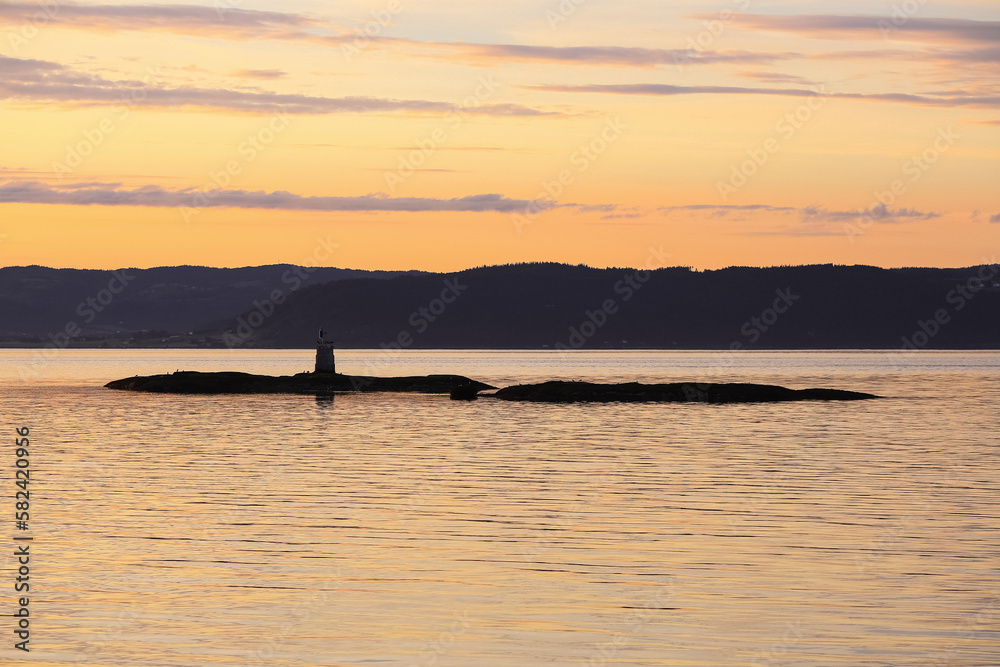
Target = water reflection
(416,530)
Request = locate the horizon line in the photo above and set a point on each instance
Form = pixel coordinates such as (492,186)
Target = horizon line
(497,265)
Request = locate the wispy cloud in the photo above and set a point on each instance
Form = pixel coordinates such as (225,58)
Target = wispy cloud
(43,82)
(933,55)
(261,73)
(809,214)
(221,21)
(990,55)
(955,98)
(725,209)
(241,24)
(27,68)
(112,194)
(829,26)
(600,55)
(777,77)
(231,23)
(622,216)
(796,232)
(879,213)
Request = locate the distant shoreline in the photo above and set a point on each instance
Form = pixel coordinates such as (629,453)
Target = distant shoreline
(525,306)
(118,347)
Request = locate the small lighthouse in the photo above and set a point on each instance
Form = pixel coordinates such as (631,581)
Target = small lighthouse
(324,354)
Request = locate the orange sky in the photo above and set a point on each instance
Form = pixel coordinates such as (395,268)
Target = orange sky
(438,136)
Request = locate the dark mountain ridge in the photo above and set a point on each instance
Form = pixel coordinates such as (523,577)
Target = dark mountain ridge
(520,306)
(557,306)
(37,301)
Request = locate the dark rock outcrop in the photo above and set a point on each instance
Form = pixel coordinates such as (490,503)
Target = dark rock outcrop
(193,382)
(635,392)
(466,392)
(462,388)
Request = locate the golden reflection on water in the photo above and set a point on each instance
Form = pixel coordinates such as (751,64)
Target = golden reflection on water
(414,530)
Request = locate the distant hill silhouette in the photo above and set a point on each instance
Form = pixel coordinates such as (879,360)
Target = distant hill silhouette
(550,305)
(37,301)
(529,306)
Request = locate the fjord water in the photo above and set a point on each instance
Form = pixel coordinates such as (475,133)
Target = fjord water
(403,529)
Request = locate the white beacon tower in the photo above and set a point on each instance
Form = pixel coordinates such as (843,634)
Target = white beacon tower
(324,355)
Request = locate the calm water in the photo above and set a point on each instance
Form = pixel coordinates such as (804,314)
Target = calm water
(413,530)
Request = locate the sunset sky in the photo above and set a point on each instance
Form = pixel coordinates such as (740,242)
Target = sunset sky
(440,135)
